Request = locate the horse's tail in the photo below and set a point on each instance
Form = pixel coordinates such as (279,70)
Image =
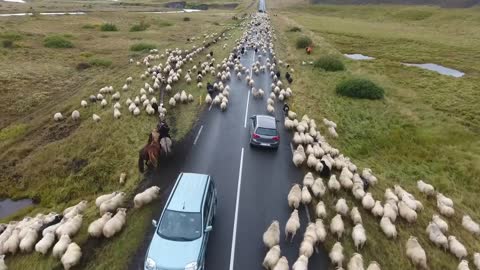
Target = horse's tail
(141,161)
(152,157)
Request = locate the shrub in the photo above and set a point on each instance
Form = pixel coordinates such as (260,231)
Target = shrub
(303,42)
(100,62)
(360,88)
(142,26)
(57,42)
(13,36)
(329,63)
(142,47)
(295,29)
(108,27)
(186,19)
(7,43)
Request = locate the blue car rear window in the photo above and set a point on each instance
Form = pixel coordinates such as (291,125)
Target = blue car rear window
(180,226)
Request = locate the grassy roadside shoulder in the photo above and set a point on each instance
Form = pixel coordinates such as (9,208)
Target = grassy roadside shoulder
(424,128)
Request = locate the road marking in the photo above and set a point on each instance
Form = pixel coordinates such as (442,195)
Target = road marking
(253,63)
(234,236)
(246,110)
(198,135)
(291,148)
(211,104)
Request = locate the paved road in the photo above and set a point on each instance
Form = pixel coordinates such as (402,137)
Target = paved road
(252,183)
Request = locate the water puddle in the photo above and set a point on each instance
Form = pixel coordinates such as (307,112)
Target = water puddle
(357,56)
(9,207)
(439,69)
(43,13)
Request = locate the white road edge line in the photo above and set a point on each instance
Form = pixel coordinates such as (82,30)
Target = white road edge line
(291,148)
(209,108)
(246,110)
(234,236)
(198,135)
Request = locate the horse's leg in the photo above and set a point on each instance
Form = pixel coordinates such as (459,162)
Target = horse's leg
(141,161)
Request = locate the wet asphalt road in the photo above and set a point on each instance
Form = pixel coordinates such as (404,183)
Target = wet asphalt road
(219,146)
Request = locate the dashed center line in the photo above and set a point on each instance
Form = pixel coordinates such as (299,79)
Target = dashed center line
(246,110)
(198,135)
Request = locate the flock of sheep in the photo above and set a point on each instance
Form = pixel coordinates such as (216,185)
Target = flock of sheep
(55,231)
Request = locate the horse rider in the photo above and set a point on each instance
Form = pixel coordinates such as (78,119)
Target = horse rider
(163,130)
(286,108)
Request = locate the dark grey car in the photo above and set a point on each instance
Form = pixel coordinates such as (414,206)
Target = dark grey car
(263,131)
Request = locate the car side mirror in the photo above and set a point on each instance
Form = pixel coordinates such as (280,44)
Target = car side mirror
(208,229)
(276,120)
(252,117)
(154,223)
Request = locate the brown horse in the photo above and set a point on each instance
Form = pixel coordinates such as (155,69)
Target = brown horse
(150,153)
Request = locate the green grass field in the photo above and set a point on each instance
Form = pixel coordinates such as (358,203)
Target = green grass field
(61,163)
(427,126)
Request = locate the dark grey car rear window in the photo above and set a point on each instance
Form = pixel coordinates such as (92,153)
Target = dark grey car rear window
(266,131)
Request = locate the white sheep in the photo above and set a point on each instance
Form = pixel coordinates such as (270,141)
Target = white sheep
(333,184)
(359,236)
(116,113)
(425,188)
(356,262)
(103,198)
(95,228)
(146,196)
(28,242)
(96,118)
(58,116)
(377,210)
(436,236)
(293,224)
(416,253)
(355,216)
(341,207)
(271,236)
(223,105)
(61,246)
(72,256)
(83,103)
(406,212)
(282,264)
(442,224)
(3,266)
(318,188)
(103,103)
(388,227)
(71,226)
(320,210)
(367,201)
(272,257)
(294,196)
(301,263)
(116,223)
(336,226)
(373,266)
(320,230)
(463,265)
(470,225)
(11,244)
(112,204)
(308,179)
(390,211)
(444,200)
(306,246)
(306,197)
(45,243)
(457,248)
(79,207)
(445,210)
(336,254)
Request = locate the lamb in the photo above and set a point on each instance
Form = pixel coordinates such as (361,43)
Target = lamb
(457,248)
(377,210)
(367,201)
(336,226)
(336,254)
(406,212)
(45,243)
(294,196)
(436,236)
(416,253)
(318,188)
(306,246)
(301,263)
(476,260)
(388,227)
(146,196)
(470,225)
(355,216)
(61,246)
(58,116)
(28,242)
(341,207)
(442,224)
(272,257)
(103,198)
(282,264)
(96,118)
(116,223)
(320,210)
(373,266)
(271,236)
(95,228)
(425,188)
(72,256)
(308,179)
(306,197)
(112,204)
(356,262)
(293,224)
(359,236)
(333,184)
(463,265)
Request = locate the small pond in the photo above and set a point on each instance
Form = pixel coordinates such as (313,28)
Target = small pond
(439,69)
(185,10)
(43,13)
(358,56)
(9,207)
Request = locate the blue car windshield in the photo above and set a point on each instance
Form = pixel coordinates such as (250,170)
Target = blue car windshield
(180,226)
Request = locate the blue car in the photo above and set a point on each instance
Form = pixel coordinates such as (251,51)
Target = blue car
(181,234)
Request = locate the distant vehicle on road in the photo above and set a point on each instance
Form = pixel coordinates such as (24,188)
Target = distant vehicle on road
(263,131)
(181,234)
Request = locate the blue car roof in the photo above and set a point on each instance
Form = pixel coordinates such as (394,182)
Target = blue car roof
(188,193)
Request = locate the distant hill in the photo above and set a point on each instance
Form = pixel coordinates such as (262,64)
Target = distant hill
(442,3)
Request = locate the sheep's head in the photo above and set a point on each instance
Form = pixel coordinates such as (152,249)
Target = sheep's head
(122,210)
